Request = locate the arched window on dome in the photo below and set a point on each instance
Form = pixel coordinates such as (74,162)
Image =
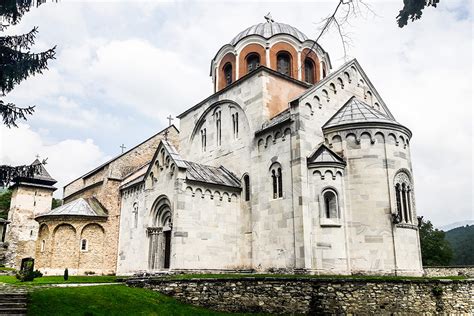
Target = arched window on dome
(308,71)
(253,62)
(284,63)
(228,73)
(330,204)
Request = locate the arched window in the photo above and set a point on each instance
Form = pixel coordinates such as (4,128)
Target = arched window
(403,192)
(228,73)
(135,215)
(84,245)
(284,63)
(308,71)
(235,124)
(330,204)
(277,180)
(247,187)
(253,61)
(218,115)
(203,139)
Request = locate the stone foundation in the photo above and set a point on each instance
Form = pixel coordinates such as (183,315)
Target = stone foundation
(317,296)
(449,271)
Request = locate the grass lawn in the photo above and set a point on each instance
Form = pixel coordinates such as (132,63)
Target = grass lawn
(108,300)
(60,279)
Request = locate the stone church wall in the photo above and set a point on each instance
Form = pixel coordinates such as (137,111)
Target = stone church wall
(207,232)
(61,248)
(272,218)
(329,235)
(321,297)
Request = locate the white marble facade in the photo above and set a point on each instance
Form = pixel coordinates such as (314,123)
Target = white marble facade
(273,173)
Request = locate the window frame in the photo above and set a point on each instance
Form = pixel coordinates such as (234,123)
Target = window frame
(309,61)
(290,62)
(227,71)
(247,61)
(276,173)
(84,245)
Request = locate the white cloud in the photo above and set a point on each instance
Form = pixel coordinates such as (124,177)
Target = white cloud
(67,159)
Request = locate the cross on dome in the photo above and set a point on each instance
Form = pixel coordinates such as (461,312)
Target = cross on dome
(269,18)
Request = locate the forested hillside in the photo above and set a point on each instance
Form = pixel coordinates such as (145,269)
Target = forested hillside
(461,240)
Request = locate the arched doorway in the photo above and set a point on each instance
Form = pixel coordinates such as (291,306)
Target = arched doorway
(159,235)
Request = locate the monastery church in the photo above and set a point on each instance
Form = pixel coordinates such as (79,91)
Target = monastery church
(289,166)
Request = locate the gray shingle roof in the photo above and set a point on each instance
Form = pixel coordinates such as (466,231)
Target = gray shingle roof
(275,121)
(323,155)
(268,30)
(209,174)
(42,174)
(356,111)
(89,207)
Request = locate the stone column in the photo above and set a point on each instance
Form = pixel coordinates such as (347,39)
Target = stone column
(299,66)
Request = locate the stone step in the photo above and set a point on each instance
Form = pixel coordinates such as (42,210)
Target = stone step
(13,304)
(13,311)
(13,299)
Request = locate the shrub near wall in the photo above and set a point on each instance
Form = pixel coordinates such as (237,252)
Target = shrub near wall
(315,296)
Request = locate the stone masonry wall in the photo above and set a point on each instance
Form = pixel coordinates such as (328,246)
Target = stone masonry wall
(449,271)
(316,296)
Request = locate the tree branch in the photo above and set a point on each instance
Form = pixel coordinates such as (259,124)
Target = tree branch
(11,113)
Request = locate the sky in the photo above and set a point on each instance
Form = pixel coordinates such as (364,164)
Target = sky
(123,66)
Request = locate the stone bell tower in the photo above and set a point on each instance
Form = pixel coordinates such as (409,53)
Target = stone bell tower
(31,196)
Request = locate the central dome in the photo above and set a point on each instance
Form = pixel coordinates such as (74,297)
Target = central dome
(268,29)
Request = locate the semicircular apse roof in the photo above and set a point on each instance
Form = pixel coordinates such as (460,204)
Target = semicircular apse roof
(356,111)
(89,207)
(269,29)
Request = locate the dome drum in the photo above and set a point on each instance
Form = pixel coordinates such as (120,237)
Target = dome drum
(278,46)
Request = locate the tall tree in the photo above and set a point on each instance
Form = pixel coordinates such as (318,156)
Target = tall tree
(435,249)
(17,63)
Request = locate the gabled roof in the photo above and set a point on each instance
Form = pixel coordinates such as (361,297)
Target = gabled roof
(194,171)
(100,167)
(213,175)
(338,72)
(325,156)
(88,207)
(357,111)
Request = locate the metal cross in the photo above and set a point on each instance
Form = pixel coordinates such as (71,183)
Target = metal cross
(170,119)
(123,147)
(269,18)
(37,156)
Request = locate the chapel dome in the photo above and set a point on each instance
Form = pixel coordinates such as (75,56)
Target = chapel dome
(269,29)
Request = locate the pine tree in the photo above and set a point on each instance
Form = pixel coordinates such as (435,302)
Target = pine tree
(17,63)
